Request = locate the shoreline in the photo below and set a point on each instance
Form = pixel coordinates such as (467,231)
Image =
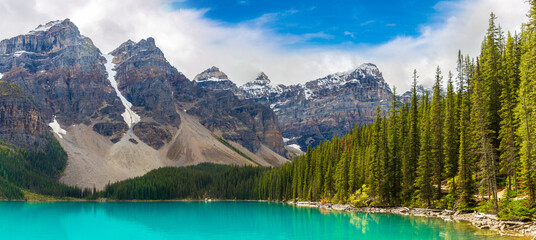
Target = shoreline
(477,219)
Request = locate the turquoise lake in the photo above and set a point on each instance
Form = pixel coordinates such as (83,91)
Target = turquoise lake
(214,220)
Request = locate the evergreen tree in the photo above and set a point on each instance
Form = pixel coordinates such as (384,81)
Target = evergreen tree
(410,165)
(425,168)
(393,176)
(491,74)
(482,136)
(509,84)
(341,176)
(436,131)
(525,109)
(375,149)
(451,134)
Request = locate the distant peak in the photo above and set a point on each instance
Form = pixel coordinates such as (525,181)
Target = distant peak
(262,76)
(211,74)
(147,42)
(47,26)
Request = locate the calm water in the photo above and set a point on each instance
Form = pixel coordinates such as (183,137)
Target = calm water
(214,220)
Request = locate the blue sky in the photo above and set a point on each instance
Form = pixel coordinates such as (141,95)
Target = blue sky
(326,22)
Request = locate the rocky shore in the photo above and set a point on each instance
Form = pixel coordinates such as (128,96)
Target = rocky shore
(479,220)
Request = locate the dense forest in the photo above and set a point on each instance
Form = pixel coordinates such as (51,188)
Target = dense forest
(193,182)
(34,171)
(455,146)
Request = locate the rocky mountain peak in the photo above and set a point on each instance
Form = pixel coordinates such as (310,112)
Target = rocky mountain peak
(145,47)
(262,79)
(212,74)
(54,26)
(214,79)
(312,112)
(260,87)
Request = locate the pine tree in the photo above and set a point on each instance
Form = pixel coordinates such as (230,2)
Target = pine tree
(509,85)
(410,165)
(394,161)
(436,131)
(353,175)
(525,109)
(341,176)
(482,136)
(375,156)
(424,169)
(451,134)
(491,74)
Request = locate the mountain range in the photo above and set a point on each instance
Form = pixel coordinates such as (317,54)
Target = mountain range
(121,114)
(317,110)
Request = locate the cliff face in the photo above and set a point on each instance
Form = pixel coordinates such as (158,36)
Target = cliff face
(63,72)
(214,79)
(243,121)
(157,91)
(21,123)
(317,110)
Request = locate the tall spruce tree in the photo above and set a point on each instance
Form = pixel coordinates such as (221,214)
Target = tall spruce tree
(436,130)
(375,172)
(491,74)
(465,172)
(451,134)
(527,102)
(509,85)
(424,179)
(483,140)
(410,163)
(394,161)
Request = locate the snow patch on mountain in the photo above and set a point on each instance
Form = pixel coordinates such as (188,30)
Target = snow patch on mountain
(296,146)
(56,128)
(130,117)
(46,27)
(19,53)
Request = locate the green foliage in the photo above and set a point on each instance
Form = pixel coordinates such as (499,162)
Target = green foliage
(516,210)
(37,171)
(8,191)
(195,182)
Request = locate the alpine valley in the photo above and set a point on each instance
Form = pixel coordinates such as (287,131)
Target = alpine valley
(118,115)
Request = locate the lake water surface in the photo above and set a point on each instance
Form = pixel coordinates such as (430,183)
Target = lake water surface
(214,220)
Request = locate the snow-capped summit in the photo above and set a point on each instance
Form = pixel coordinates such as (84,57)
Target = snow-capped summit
(47,26)
(214,79)
(262,79)
(317,110)
(260,87)
(368,72)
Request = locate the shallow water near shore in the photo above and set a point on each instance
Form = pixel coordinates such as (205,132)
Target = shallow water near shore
(215,220)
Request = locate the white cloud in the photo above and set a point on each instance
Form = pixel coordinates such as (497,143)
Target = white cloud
(193,43)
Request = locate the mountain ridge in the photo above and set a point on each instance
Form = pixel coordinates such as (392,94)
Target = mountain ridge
(303,110)
(122,114)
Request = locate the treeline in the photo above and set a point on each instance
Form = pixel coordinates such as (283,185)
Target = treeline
(450,148)
(195,182)
(37,172)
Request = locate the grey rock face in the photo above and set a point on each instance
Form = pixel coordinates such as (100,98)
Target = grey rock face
(214,79)
(157,91)
(63,72)
(65,76)
(317,110)
(21,123)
